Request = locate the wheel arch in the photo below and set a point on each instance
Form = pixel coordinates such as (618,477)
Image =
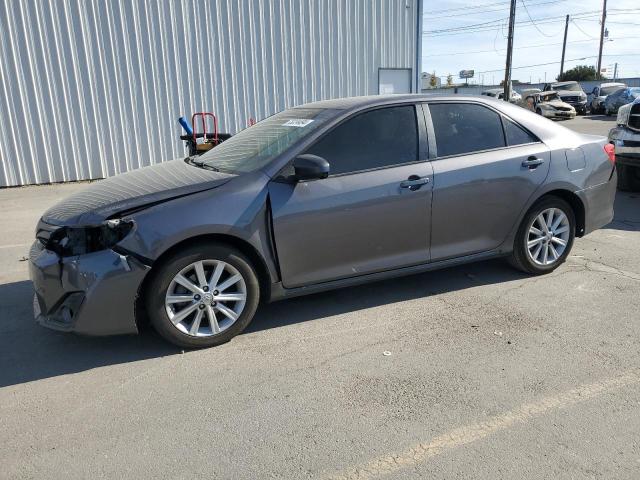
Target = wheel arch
(576,205)
(239,244)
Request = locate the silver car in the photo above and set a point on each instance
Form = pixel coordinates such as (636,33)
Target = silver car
(321,196)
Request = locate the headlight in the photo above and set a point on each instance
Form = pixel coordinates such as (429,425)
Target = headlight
(70,241)
(623,114)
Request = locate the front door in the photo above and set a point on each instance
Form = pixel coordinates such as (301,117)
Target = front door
(483,176)
(373,211)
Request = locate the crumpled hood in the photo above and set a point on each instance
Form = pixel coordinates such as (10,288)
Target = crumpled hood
(149,185)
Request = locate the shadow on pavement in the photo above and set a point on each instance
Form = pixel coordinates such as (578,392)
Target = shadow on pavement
(335,302)
(627,212)
(600,118)
(29,352)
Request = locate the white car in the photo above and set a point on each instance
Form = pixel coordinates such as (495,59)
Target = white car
(549,105)
(499,94)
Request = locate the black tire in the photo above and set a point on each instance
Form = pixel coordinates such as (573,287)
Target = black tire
(628,178)
(520,258)
(538,111)
(164,274)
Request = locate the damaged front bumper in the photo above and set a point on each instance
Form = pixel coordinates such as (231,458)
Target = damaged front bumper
(91,294)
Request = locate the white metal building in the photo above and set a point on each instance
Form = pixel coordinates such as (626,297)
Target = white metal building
(92,88)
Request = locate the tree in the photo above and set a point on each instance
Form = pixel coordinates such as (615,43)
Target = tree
(433,81)
(449,80)
(580,73)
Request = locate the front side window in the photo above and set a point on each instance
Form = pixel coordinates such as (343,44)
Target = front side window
(378,138)
(462,128)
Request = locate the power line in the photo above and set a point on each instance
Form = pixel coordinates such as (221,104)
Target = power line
(490,25)
(534,23)
(464,8)
(538,64)
(502,49)
(469,11)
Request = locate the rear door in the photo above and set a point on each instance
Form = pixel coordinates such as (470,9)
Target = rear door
(485,170)
(373,211)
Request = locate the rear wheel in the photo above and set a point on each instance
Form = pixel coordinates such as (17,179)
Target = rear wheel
(628,178)
(545,237)
(203,295)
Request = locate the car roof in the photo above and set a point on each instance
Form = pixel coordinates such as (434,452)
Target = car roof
(612,84)
(564,83)
(353,103)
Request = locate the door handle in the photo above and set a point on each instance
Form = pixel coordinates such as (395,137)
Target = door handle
(532,162)
(414,182)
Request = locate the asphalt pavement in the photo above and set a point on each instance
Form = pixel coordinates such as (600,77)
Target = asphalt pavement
(473,372)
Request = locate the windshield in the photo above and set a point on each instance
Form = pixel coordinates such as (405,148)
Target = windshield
(634,92)
(256,146)
(604,91)
(572,87)
(550,96)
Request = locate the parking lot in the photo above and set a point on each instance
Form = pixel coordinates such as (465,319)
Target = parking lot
(477,371)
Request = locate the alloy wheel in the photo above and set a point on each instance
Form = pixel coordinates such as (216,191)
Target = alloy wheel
(548,236)
(205,298)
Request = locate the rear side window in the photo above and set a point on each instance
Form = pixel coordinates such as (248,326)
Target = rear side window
(516,135)
(374,139)
(465,128)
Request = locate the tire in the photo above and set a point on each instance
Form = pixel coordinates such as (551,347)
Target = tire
(163,291)
(628,178)
(538,111)
(522,259)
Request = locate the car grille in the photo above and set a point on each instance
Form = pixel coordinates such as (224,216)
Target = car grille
(564,109)
(634,117)
(571,99)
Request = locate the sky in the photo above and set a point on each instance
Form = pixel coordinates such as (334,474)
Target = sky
(467,35)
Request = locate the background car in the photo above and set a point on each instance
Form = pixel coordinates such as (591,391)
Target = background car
(499,94)
(571,93)
(619,98)
(599,93)
(326,195)
(549,105)
(626,138)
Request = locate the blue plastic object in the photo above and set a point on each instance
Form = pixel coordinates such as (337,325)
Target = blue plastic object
(185,124)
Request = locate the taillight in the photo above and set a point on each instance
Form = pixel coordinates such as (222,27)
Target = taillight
(611,152)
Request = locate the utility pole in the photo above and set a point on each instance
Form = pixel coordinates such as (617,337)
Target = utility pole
(604,17)
(615,71)
(507,69)
(564,46)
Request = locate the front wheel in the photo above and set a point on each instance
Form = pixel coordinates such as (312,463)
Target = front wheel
(545,237)
(203,295)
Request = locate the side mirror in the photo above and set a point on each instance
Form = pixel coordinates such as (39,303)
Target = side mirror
(310,167)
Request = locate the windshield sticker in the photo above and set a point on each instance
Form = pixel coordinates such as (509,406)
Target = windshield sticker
(297,122)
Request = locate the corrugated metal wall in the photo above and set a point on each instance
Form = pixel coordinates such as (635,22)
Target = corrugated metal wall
(92,88)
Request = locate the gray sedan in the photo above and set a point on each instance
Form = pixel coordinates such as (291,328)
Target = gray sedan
(321,196)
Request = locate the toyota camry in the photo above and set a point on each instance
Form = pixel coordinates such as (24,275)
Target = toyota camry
(320,196)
